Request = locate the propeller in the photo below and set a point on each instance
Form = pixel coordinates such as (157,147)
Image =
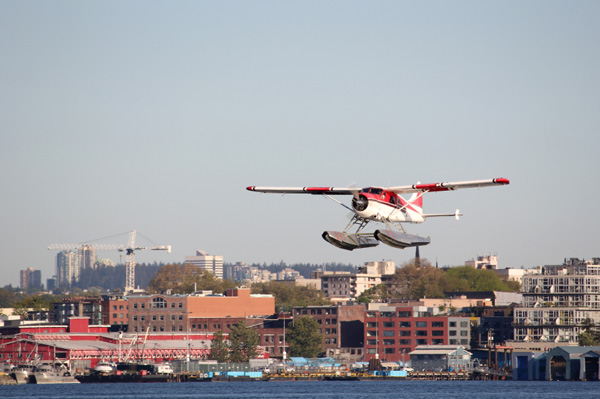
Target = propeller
(360,202)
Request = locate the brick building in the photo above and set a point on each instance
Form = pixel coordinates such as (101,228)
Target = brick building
(115,311)
(392,332)
(174,313)
(341,326)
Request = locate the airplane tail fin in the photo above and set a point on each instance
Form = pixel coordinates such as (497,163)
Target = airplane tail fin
(416,200)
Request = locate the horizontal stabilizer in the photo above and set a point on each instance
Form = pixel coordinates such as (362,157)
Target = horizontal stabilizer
(349,241)
(400,240)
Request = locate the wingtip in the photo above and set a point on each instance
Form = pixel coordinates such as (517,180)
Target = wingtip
(502,180)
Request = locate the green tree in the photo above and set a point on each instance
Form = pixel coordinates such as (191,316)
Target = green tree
(288,294)
(304,339)
(243,341)
(219,348)
(379,293)
(467,278)
(588,338)
(184,279)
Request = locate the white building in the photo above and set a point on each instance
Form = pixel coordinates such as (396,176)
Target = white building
(559,302)
(484,262)
(346,285)
(211,263)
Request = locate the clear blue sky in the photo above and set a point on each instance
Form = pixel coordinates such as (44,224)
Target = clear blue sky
(155,116)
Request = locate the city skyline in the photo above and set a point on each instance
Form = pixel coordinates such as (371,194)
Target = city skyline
(156,117)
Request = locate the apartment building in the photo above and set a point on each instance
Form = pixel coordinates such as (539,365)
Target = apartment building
(559,302)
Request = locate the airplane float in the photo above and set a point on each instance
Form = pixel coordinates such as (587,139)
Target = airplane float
(382,205)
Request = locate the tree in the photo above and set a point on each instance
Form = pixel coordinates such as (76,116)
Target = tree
(243,341)
(379,293)
(304,338)
(415,282)
(288,294)
(588,338)
(219,348)
(185,279)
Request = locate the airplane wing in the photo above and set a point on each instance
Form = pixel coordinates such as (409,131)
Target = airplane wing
(306,190)
(433,187)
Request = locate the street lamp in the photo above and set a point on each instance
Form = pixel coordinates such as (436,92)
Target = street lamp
(283,318)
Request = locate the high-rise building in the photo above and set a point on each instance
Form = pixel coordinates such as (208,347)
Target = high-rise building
(31,279)
(211,263)
(87,257)
(67,268)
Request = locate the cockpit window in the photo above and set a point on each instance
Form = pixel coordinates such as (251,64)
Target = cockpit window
(375,191)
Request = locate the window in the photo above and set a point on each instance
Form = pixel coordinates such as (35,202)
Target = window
(421,333)
(389,350)
(388,333)
(437,333)
(464,324)
(405,342)
(404,333)
(158,303)
(389,341)
(437,324)
(180,305)
(404,324)
(388,324)
(452,333)
(421,324)
(452,324)
(421,342)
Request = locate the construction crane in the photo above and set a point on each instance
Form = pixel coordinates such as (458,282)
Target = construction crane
(129,250)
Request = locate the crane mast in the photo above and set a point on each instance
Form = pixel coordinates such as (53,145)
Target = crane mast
(129,250)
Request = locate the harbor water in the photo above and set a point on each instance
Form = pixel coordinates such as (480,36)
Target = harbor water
(312,390)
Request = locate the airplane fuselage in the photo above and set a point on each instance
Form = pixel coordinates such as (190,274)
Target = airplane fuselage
(378,204)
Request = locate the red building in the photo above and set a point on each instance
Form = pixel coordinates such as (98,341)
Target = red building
(391,332)
(83,346)
(114,311)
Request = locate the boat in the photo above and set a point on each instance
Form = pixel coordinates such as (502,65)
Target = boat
(128,372)
(52,374)
(105,367)
(22,373)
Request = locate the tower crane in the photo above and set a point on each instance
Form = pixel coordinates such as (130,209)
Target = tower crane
(129,250)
